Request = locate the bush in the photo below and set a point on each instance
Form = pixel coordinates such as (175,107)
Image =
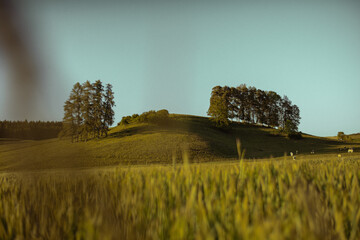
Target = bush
(134,117)
(125,120)
(146,117)
(163,113)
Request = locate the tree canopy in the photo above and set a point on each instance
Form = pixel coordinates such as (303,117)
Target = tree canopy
(157,117)
(88,111)
(251,105)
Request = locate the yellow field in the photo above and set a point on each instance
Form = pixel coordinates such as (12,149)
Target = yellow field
(275,199)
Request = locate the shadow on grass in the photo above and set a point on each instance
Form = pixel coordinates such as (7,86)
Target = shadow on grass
(221,143)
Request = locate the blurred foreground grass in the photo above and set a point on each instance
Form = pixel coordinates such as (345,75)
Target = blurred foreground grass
(307,199)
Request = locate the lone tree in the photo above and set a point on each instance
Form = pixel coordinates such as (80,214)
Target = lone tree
(88,111)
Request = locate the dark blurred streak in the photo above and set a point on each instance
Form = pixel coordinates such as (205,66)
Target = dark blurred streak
(20,62)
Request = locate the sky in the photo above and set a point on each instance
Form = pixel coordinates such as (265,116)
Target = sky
(170,54)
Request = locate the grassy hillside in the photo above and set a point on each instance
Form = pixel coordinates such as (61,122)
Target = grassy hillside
(355,137)
(144,143)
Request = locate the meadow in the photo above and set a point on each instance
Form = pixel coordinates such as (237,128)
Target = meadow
(272,199)
(145,143)
(180,180)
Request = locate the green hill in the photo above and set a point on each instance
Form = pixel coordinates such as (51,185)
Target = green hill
(144,143)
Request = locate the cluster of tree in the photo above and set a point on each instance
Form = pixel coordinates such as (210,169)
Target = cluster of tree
(32,130)
(88,111)
(251,105)
(150,117)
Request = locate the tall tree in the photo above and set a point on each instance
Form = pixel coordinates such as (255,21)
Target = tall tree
(295,116)
(286,110)
(72,108)
(240,101)
(273,110)
(98,106)
(219,108)
(260,105)
(109,103)
(69,128)
(87,111)
(290,114)
(252,105)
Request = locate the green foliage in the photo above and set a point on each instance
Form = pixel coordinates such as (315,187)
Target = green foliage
(290,127)
(290,130)
(125,120)
(108,112)
(251,105)
(151,116)
(88,111)
(219,106)
(314,199)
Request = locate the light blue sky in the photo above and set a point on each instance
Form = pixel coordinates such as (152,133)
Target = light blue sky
(170,54)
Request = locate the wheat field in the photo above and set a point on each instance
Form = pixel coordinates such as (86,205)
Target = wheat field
(283,199)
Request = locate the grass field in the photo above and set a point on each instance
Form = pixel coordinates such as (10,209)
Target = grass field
(181,180)
(306,199)
(139,144)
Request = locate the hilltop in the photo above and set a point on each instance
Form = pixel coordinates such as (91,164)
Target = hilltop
(145,143)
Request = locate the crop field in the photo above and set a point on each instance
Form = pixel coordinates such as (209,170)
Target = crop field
(273,199)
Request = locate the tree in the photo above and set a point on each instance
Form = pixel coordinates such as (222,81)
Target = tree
(273,109)
(72,110)
(240,95)
(108,118)
(260,105)
(295,115)
(98,107)
(285,111)
(251,105)
(87,111)
(219,108)
(289,116)
(69,128)
(290,127)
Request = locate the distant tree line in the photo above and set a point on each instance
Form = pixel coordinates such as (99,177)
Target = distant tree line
(30,130)
(251,105)
(88,112)
(148,117)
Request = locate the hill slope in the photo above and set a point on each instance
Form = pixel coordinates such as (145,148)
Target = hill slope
(148,143)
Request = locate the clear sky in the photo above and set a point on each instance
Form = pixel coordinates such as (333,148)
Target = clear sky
(169,55)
